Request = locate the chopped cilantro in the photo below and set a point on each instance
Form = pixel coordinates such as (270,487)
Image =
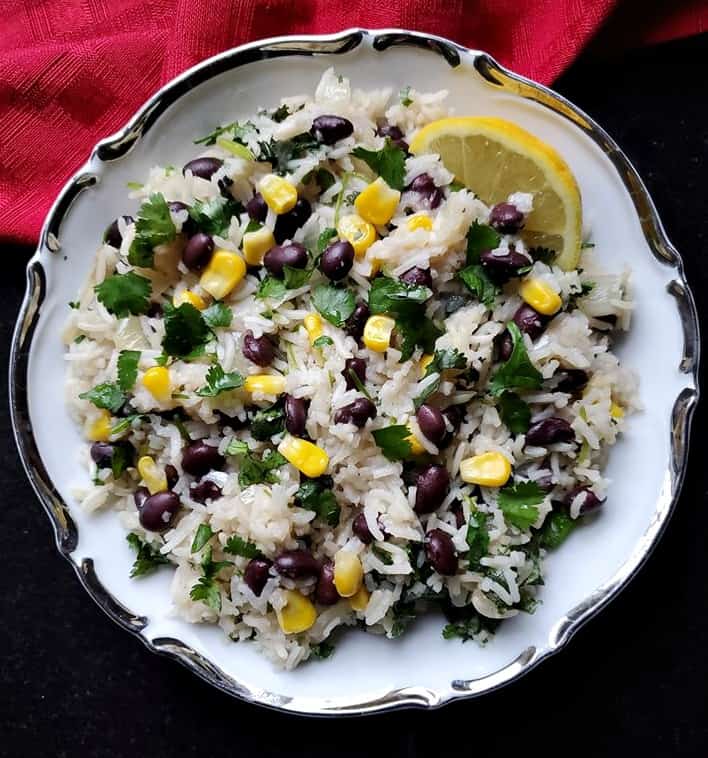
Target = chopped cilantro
(543,254)
(477,538)
(268,422)
(443,360)
(514,412)
(272,288)
(394,296)
(214,216)
(294,278)
(456,186)
(480,237)
(335,304)
(316,495)
(394,442)
(518,503)
(79,339)
(185,330)
(321,177)
(122,457)
(416,331)
(556,528)
(321,650)
(403,615)
(217,315)
(280,152)
(203,535)
(382,554)
(124,294)
(207,588)
(239,133)
(254,470)
(468,625)
(148,558)
(107,396)
(356,381)
(518,373)
(238,546)
(320,342)
(389,163)
(154,226)
(128,369)
(404,96)
(279,114)
(477,281)
(218,381)
(325,236)
(124,424)
(75,304)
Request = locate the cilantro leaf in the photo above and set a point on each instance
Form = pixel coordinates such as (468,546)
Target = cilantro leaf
(556,528)
(477,538)
(122,457)
(416,331)
(128,368)
(316,495)
(335,304)
(254,470)
(279,114)
(108,396)
(518,373)
(477,281)
(480,237)
(293,278)
(218,381)
(321,650)
(280,152)
(239,133)
(389,163)
(543,254)
(268,422)
(154,226)
(394,296)
(447,359)
(321,177)
(325,236)
(185,330)
(518,503)
(514,412)
(203,535)
(238,546)
(404,96)
(124,294)
(217,315)
(403,615)
(320,342)
(207,588)
(214,216)
(394,442)
(467,624)
(148,557)
(272,288)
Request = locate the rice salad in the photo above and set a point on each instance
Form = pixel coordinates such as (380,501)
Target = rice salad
(332,387)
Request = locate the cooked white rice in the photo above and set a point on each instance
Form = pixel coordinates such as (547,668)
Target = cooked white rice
(397,574)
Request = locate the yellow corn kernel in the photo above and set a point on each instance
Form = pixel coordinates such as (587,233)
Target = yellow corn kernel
(304,455)
(313,326)
(256,245)
(377,333)
(488,469)
(416,447)
(616,411)
(154,477)
(156,381)
(425,361)
(360,233)
(268,384)
(540,296)
(224,272)
(359,601)
(348,573)
(298,614)
(100,429)
(419,221)
(278,193)
(187,296)
(377,203)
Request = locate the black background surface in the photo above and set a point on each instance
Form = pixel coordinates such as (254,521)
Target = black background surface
(633,681)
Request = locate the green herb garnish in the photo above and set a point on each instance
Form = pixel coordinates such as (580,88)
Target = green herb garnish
(148,558)
(336,304)
(518,373)
(107,396)
(218,381)
(214,216)
(128,369)
(316,495)
(238,546)
(518,503)
(217,315)
(185,330)
(389,163)
(154,226)
(203,535)
(207,588)
(394,442)
(124,294)
(514,412)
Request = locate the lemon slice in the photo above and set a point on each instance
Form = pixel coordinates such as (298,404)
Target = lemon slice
(495,158)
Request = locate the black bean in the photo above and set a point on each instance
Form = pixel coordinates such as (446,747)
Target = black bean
(172,475)
(503,266)
(288,223)
(420,276)
(159,510)
(337,260)
(326,592)
(361,529)
(256,574)
(205,490)
(112,235)
(198,251)
(550,430)
(189,227)
(453,416)
(295,415)
(358,367)
(572,380)
(297,564)
(456,510)
(258,350)
(506,218)
(102,454)
(530,321)
(199,458)
(154,310)
(433,483)
(591,502)
(257,208)
(429,194)
(330,129)
(293,254)
(354,325)
(357,413)
(440,551)
(394,134)
(504,345)
(140,496)
(203,167)
(431,423)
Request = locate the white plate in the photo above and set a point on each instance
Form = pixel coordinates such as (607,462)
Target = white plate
(367,673)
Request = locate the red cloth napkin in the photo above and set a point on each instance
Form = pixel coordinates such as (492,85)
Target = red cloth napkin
(72,72)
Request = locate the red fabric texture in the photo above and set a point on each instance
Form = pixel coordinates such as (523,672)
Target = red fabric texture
(74,71)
